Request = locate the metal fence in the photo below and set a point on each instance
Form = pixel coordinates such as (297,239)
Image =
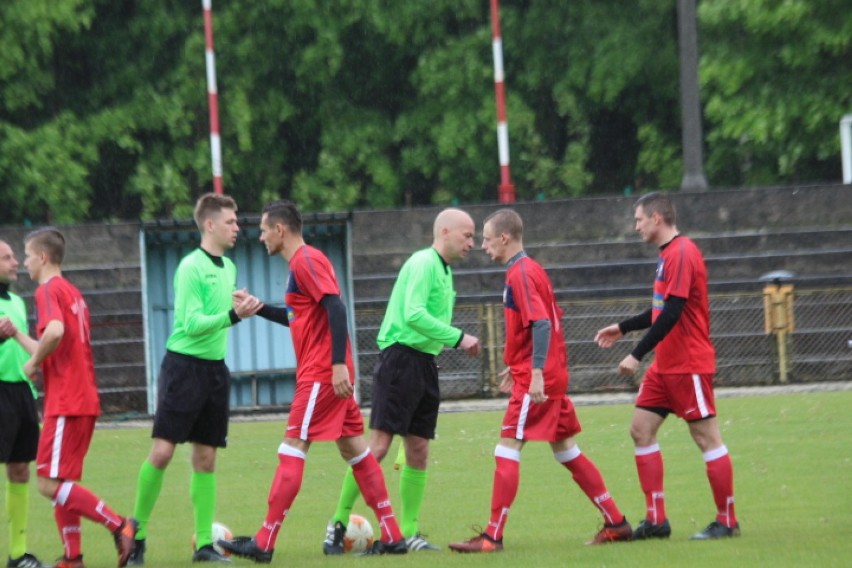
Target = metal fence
(818,349)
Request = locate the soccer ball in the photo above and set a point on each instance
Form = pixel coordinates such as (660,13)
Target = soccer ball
(359,534)
(220,532)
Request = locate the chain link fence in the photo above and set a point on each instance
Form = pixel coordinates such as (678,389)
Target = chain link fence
(818,349)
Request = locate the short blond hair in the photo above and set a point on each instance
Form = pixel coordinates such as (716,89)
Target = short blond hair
(48,240)
(210,204)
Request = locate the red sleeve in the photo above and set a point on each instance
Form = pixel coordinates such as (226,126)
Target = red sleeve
(315,275)
(529,301)
(48,306)
(678,272)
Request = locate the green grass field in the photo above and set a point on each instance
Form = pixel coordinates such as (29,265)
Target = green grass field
(792,457)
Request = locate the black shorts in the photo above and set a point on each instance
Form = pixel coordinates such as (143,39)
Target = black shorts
(193,401)
(406,394)
(19,428)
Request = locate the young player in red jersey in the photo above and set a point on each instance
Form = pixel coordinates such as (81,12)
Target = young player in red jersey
(323,407)
(71,403)
(680,380)
(537,378)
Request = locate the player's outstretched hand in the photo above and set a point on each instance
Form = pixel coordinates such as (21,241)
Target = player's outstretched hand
(470,344)
(628,365)
(607,336)
(7,328)
(247,306)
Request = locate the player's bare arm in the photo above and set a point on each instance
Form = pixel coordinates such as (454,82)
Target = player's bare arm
(53,333)
(606,337)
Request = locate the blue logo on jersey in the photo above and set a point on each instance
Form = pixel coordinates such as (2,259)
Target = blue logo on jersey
(509,298)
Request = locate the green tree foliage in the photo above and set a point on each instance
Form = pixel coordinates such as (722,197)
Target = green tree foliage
(776,78)
(378,103)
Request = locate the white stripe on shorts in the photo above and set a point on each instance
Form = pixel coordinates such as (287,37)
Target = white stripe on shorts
(309,411)
(56,452)
(522,419)
(699,396)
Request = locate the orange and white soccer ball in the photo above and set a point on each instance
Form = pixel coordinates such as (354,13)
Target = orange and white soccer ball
(220,532)
(359,534)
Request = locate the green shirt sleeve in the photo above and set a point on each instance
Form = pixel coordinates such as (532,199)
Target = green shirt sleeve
(189,305)
(420,298)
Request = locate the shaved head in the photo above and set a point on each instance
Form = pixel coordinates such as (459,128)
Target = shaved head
(453,234)
(450,219)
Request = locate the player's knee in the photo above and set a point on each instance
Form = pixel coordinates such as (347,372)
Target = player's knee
(47,487)
(18,472)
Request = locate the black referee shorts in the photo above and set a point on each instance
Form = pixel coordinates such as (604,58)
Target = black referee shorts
(406,394)
(193,401)
(19,428)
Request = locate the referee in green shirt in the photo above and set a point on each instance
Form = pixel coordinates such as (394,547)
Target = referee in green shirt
(193,385)
(406,395)
(19,428)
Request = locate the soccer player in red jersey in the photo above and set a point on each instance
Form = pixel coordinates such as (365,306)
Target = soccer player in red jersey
(537,378)
(323,407)
(71,403)
(680,379)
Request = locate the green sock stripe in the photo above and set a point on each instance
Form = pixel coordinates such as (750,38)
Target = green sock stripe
(202,490)
(17,511)
(349,493)
(412,488)
(148,488)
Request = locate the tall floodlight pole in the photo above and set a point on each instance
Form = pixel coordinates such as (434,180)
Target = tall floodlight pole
(506,190)
(212,96)
(692,136)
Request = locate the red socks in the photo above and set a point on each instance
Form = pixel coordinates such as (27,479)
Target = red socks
(285,487)
(371,481)
(507,476)
(590,480)
(720,473)
(649,465)
(73,501)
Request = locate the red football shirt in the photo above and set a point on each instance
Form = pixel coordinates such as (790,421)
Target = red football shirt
(687,348)
(311,278)
(528,297)
(69,372)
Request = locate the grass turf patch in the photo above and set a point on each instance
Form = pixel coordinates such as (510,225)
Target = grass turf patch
(793,482)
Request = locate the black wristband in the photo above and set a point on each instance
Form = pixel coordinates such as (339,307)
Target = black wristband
(232,315)
(459,341)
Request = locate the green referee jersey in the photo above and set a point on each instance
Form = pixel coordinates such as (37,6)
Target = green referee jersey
(420,308)
(12,355)
(202,302)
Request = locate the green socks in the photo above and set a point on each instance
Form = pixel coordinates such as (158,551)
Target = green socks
(17,509)
(348,494)
(202,491)
(412,487)
(147,491)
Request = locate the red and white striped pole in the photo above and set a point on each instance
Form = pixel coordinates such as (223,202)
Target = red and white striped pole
(212,96)
(506,190)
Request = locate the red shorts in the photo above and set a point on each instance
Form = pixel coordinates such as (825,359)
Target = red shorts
(317,414)
(550,421)
(63,445)
(688,396)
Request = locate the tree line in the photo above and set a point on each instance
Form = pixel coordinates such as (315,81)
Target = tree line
(341,104)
